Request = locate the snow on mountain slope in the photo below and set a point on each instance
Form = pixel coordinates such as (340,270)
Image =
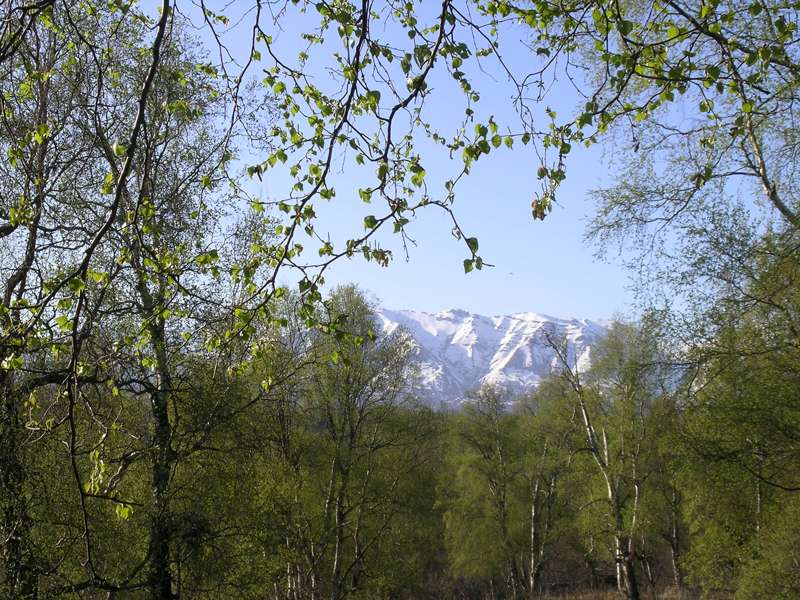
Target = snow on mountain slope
(459,351)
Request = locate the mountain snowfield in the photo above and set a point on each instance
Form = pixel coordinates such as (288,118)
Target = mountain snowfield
(458,351)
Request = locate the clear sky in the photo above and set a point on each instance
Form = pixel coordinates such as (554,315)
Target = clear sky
(540,266)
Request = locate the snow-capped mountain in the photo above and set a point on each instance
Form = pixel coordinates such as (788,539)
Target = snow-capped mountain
(459,351)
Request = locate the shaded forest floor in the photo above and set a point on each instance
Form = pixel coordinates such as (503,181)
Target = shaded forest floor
(648,594)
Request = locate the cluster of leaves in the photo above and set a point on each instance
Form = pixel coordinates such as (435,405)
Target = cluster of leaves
(722,75)
(372,114)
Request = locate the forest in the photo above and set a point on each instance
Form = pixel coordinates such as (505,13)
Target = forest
(188,409)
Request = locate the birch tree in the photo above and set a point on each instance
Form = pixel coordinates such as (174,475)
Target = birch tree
(613,401)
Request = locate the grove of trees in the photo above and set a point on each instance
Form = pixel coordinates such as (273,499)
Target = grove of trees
(184,413)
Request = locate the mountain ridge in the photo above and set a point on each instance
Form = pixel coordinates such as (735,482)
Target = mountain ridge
(457,350)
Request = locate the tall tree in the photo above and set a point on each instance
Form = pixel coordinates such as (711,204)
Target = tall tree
(548,444)
(613,401)
(51,226)
(352,453)
(489,495)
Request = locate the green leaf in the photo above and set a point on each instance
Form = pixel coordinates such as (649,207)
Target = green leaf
(63,322)
(469,264)
(399,224)
(96,276)
(11,363)
(41,133)
(383,169)
(108,184)
(76,285)
(123,510)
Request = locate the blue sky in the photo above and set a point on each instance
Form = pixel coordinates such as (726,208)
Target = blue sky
(541,266)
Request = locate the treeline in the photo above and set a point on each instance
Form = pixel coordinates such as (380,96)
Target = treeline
(315,473)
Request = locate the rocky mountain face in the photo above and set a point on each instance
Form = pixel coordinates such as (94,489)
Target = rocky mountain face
(458,351)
